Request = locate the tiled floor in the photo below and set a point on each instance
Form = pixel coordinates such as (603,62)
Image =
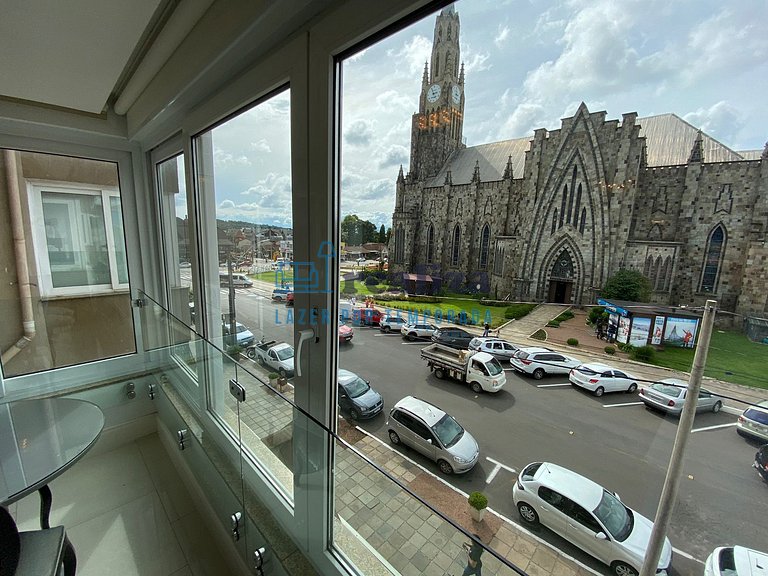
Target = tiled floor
(128,513)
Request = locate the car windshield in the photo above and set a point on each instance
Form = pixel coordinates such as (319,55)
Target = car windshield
(448,431)
(240,328)
(356,387)
(285,353)
(586,370)
(667,389)
(616,517)
(494,367)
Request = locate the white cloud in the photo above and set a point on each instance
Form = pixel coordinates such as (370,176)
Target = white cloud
(261,146)
(359,133)
(414,53)
(721,120)
(501,36)
(223,159)
(394,156)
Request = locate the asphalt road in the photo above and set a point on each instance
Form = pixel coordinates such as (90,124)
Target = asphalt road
(613,440)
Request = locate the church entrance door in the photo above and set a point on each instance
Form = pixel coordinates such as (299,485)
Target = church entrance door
(560,292)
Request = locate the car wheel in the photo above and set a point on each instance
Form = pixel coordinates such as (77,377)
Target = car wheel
(717,406)
(600,391)
(445,468)
(385,329)
(476,388)
(260,360)
(251,353)
(632,388)
(527,513)
(281,371)
(538,374)
(621,569)
(412,336)
(439,374)
(393,437)
(354,413)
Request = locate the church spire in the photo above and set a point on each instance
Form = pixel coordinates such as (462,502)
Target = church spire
(461,75)
(508,169)
(697,152)
(476,173)
(400,177)
(764,155)
(425,77)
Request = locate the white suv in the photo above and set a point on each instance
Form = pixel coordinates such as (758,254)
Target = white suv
(496,347)
(391,322)
(588,516)
(414,331)
(538,362)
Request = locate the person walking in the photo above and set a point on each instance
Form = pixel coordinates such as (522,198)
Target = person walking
(486,329)
(474,551)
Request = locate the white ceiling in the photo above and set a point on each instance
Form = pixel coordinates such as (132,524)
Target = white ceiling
(69,53)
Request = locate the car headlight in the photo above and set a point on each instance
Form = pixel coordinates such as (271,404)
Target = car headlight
(460,460)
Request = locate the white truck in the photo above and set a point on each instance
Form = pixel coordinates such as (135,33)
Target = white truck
(273,355)
(479,370)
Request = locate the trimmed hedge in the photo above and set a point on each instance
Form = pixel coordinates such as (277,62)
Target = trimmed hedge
(567,315)
(572,342)
(610,350)
(517,311)
(539,335)
(643,353)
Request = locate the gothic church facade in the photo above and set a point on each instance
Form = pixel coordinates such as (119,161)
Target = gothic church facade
(552,217)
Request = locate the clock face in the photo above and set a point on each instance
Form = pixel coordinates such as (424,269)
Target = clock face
(456,94)
(434,92)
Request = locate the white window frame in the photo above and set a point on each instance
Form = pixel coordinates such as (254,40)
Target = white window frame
(35,190)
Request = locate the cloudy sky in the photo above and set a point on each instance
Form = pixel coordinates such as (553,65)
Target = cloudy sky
(526,68)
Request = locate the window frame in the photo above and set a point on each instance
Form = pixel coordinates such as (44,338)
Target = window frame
(35,190)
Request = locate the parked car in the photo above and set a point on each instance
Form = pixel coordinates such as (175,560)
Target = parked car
(736,561)
(356,397)
(414,331)
(289,299)
(669,396)
(391,322)
(273,355)
(345,332)
(453,337)
(753,422)
(243,336)
(496,347)
(600,378)
(281,294)
(435,434)
(238,280)
(367,317)
(538,362)
(587,515)
(761,462)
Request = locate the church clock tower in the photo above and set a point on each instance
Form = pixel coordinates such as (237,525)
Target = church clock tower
(436,128)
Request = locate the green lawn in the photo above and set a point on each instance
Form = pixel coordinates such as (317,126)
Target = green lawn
(452,306)
(286,276)
(732,357)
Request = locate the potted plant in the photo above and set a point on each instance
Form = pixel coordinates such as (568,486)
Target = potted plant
(478,502)
(273,376)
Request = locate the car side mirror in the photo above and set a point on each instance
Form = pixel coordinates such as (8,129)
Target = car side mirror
(601,536)
(429,440)
(342,395)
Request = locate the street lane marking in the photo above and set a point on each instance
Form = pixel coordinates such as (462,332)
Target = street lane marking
(713,427)
(412,343)
(496,469)
(552,385)
(681,553)
(624,404)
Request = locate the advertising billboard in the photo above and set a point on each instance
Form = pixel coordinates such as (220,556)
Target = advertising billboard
(641,329)
(681,332)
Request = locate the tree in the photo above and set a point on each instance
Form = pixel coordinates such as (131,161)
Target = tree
(628,285)
(355,232)
(382,234)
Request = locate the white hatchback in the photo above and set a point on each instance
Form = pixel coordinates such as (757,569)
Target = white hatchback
(588,516)
(601,378)
(538,362)
(415,331)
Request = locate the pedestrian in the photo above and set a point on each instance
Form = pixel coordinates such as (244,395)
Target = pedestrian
(474,551)
(486,329)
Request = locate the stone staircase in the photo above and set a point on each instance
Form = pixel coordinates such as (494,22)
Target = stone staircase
(538,318)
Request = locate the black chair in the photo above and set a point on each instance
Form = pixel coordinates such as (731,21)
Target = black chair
(34,553)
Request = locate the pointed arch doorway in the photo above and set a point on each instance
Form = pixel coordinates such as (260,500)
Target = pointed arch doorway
(561,279)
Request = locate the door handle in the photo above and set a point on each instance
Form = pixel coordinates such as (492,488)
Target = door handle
(304,335)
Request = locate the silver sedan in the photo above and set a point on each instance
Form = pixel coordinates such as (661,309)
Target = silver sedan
(669,395)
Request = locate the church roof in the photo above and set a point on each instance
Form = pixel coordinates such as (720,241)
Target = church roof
(491,158)
(669,140)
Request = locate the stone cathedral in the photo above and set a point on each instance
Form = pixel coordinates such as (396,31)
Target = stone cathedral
(550,217)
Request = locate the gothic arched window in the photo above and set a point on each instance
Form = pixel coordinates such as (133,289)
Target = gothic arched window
(554,222)
(562,205)
(455,245)
(498,260)
(668,268)
(577,205)
(485,239)
(430,244)
(563,266)
(647,269)
(712,259)
(399,245)
(658,274)
(583,221)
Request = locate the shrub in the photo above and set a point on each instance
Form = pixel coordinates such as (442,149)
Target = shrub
(596,314)
(478,500)
(625,347)
(572,342)
(567,315)
(539,335)
(371,281)
(516,311)
(273,376)
(610,350)
(643,353)
(553,324)
(234,350)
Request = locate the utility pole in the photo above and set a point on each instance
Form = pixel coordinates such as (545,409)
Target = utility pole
(672,481)
(232,319)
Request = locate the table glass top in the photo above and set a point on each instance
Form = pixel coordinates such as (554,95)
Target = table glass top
(40,439)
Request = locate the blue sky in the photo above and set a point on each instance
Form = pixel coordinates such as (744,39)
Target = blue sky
(526,68)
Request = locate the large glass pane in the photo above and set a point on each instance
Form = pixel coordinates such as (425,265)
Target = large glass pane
(244,173)
(65,297)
